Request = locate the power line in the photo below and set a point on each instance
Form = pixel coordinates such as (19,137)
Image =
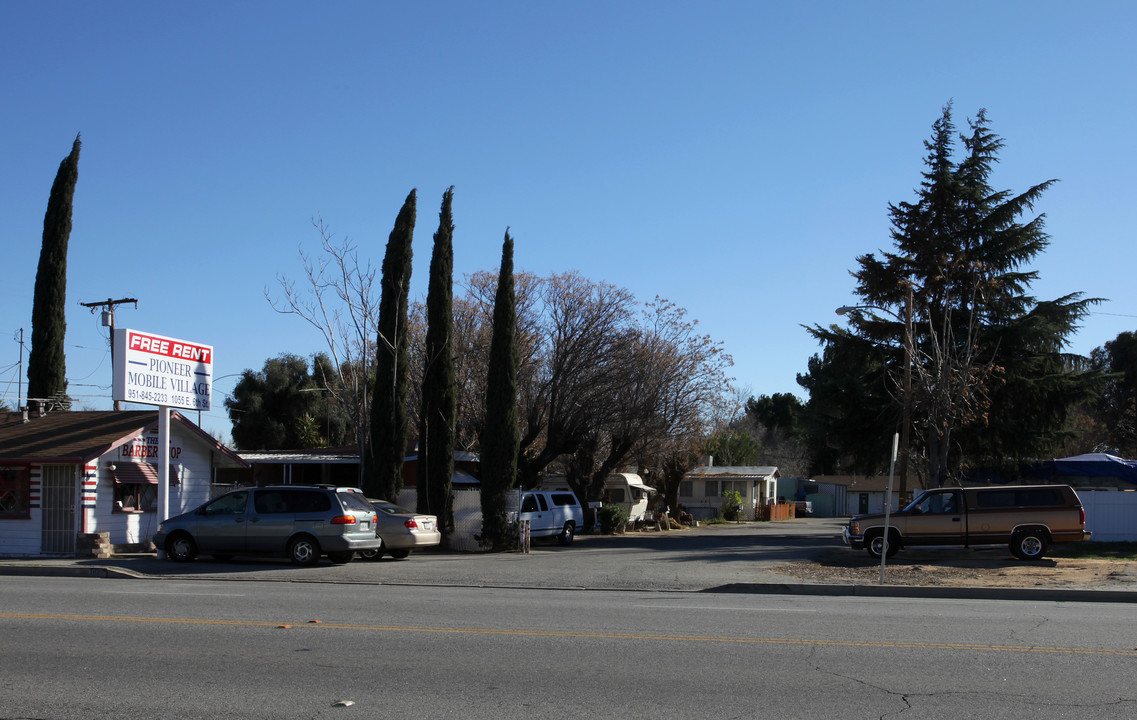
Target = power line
(1113,314)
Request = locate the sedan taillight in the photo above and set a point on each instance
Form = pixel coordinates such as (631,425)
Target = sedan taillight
(343,520)
(411,525)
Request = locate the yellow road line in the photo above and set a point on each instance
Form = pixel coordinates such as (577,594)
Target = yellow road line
(890,644)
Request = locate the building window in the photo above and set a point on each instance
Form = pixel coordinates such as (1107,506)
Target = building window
(136,486)
(686,489)
(15,492)
(614,495)
(711,488)
(135,497)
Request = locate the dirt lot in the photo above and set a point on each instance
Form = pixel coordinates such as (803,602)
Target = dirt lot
(964,568)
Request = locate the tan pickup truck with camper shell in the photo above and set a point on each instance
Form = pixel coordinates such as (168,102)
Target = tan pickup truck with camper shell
(1027,518)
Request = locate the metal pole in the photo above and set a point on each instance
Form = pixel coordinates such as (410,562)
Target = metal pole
(162,511)
(888,506)
(906,415)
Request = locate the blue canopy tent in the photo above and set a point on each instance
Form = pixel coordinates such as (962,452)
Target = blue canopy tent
(1091,469)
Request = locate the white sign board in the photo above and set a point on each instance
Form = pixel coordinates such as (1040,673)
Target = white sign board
(145,447)
(156,370)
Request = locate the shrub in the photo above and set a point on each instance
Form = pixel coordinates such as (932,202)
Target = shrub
(731,501)
(612,517)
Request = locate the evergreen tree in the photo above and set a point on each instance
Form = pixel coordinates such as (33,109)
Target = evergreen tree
(286,407)
(1117,405)
(387,448)
(500,438)
(439,387)
(47,367)
(991,384)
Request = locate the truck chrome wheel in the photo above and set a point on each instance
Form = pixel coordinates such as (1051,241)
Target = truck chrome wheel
(1029,545)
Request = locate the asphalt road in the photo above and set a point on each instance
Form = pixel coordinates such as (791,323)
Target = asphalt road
(692,559)
(195,648)
(724,558)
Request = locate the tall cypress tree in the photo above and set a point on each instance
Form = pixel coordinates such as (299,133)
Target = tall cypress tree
(500,438)
(47,367)
(439,386)
(383,476)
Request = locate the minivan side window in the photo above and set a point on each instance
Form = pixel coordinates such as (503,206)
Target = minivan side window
(230,504)
(269,502)
(306,501)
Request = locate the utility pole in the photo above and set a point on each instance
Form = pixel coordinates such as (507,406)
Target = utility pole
(108,321)
(20,373)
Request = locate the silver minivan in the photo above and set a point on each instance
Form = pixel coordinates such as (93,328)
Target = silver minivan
(301,522)
(550,513)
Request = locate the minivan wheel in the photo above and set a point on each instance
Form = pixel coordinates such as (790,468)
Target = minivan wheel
(304,550)
(567,534)
(400,554)
(373,554)
(1029,544)
(875,543)
(341,558)
(181,547)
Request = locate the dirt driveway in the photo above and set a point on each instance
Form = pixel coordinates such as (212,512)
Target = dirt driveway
(962,568)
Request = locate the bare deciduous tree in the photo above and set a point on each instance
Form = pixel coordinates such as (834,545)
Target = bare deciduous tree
(337,299)
(601,385)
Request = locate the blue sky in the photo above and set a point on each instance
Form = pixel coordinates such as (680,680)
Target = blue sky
(732,157)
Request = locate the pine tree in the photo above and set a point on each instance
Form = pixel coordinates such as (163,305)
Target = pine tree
(991,384)
(439,387)
(387,448)
(500,438)
(47,367)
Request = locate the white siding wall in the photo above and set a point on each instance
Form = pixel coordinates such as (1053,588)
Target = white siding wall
(876,501)
(194,469)
(1110,515)
(21,538)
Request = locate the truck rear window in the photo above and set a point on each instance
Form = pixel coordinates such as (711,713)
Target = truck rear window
(1038,497)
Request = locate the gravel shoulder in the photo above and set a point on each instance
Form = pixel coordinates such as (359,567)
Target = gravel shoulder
(962,568)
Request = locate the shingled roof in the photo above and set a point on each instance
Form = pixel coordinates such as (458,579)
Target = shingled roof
(81,436)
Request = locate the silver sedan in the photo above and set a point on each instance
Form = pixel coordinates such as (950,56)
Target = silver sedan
(401,531)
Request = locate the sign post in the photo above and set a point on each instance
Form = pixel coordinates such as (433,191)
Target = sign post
(157,370)
(888,505)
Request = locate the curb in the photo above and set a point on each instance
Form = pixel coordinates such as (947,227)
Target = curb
(931,592)
(93,572)
(803,589)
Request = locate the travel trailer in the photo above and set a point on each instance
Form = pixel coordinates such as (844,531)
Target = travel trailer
(624,489)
